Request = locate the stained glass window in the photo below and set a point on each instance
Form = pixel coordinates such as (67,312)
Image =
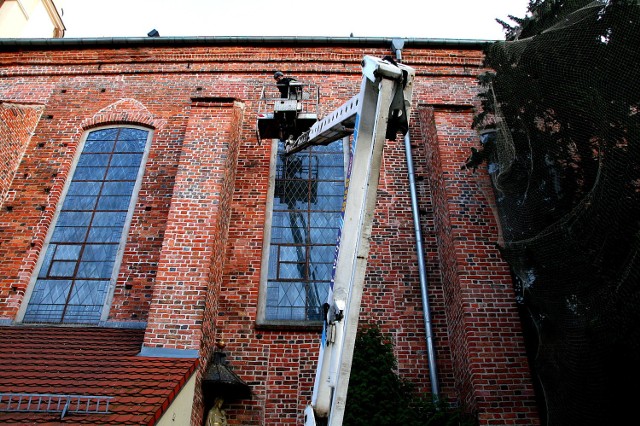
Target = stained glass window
(307,204)
(78,264)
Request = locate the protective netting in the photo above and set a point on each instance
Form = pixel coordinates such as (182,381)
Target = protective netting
(565,164)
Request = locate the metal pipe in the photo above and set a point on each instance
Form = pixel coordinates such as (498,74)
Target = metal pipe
(426,310)
(397,46)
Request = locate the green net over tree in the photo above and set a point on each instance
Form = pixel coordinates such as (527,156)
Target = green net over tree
(564,100)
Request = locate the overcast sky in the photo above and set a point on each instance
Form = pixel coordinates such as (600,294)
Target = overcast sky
(454,19)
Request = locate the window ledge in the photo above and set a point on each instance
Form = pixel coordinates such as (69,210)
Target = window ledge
(289,325)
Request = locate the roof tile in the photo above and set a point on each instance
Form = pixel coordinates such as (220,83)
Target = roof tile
(88,361)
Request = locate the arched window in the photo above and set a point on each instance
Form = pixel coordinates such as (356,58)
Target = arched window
(305,219)
(80,260)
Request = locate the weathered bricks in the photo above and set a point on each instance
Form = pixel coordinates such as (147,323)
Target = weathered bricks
(192,262)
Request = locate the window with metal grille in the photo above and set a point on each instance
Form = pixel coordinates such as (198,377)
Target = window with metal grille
(80,258)
(305,221)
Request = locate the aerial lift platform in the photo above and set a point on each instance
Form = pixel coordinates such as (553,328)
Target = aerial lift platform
(378,112)
(287,118)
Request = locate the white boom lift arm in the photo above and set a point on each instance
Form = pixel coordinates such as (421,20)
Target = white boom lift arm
(377,113)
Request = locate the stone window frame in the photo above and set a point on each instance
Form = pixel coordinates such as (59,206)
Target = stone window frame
(125,229)
(261,320)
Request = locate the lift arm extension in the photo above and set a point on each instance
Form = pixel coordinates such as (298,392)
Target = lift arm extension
(341,122)
(377,113)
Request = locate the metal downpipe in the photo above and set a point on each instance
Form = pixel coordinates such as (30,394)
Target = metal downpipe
(396,46)
(426,310)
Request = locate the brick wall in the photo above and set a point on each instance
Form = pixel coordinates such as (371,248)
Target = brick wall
(490,368)
(191,265)
(17,123)
(195,237)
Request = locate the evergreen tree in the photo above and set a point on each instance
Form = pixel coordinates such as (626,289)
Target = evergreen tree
(379,397)
(564,96)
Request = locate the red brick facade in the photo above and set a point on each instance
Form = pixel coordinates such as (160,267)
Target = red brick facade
(191,267)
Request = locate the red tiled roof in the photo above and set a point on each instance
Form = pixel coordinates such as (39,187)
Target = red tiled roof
(89,361)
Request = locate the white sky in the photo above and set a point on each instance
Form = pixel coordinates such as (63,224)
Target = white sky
(454,19)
